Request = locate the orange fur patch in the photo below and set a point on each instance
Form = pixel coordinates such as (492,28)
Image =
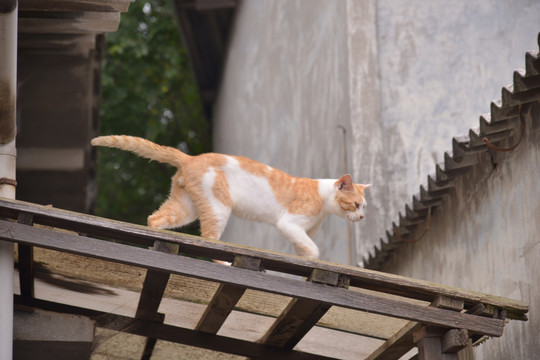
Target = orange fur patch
(221,189)
(297,195)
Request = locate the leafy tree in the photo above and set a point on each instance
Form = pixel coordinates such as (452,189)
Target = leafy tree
(148,90)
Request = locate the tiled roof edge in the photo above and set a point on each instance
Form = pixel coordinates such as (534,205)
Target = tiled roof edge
(496,126)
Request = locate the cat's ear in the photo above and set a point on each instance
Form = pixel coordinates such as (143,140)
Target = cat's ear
(345,183)
(365,186)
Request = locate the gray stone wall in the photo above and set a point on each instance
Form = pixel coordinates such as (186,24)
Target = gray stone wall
(485,238)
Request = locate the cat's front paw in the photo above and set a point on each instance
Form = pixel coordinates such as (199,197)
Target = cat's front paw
(158,221)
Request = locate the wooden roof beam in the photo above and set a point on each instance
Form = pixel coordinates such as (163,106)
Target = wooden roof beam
(301,315)
(225,298)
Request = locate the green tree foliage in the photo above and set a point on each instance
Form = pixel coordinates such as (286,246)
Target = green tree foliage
(148,90)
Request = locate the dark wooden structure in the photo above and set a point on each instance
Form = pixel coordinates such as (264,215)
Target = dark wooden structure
(60,46)
(443,320)
(205,26)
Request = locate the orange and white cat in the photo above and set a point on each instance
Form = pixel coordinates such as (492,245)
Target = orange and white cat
(211,187)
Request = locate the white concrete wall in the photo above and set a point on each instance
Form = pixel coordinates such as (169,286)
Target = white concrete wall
(402,77)
(485,238)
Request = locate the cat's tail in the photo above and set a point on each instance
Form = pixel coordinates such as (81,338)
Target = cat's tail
(144,148)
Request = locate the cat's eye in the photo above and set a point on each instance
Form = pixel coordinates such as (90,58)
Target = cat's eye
(357,205)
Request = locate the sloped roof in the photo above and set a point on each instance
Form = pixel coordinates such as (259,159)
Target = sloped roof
(60,45)
(346,301)
(500,126)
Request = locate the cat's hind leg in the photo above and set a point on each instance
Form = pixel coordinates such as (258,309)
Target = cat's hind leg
(178,210)
(213,200)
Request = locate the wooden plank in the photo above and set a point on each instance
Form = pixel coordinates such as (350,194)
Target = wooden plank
(225,299)
(197,246)
(259,281)
(297,319)
(153,289)
(174,334)
(26,260)
(152,292)
(154,286)
(301,315)
(222,304)
(398,345)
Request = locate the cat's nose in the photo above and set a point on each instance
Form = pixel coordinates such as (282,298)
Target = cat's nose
(361,217)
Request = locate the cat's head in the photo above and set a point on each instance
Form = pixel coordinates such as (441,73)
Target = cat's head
(350,198)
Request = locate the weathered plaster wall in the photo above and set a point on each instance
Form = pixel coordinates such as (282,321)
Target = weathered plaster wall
(441,63)
(485,237)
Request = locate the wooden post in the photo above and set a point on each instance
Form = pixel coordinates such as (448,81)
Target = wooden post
(26,260)
(439,343)
(152,292)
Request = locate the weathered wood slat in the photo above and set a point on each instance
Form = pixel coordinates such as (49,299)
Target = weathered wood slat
(260,281)
(294,323)
(174,334)
(301,315)
(368,279)
(222,304)
(154,286)
(153,289)
(152,292)
(225,299)
(398,345)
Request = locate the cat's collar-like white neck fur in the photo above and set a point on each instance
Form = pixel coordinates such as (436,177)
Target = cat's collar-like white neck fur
(327,190)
